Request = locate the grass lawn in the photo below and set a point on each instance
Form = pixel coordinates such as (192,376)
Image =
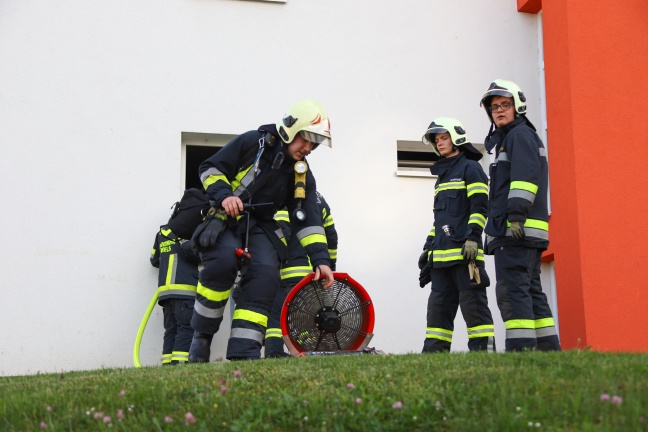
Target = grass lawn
(565,391)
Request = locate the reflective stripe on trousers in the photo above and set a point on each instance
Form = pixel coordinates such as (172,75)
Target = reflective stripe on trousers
(524,307)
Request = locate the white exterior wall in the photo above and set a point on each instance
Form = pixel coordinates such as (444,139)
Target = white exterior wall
(94,96)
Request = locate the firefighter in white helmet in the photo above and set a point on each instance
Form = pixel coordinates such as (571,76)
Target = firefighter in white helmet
(453,258)
(257,167)
(517,231)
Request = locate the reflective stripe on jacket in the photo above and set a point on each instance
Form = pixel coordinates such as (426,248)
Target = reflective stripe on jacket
(298,265)
(460,200)
(178,274)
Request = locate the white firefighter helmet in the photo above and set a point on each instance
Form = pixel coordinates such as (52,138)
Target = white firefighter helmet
(457,134)
(308,118)
(505,88)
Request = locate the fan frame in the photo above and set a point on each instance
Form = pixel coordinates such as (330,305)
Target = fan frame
(367,327)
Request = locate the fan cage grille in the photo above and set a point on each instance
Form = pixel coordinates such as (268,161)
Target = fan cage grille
(351,305)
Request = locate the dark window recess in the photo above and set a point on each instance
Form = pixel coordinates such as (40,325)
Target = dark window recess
(195,156)
(414,159)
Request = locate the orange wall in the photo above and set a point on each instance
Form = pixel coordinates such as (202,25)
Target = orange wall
(596,59)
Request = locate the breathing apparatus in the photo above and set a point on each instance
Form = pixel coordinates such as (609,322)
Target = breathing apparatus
(301,167)
(270,141)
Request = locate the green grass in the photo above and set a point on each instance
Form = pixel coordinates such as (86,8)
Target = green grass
(441,392)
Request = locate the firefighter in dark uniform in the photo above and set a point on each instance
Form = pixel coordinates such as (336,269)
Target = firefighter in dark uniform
(260,166)
(453,249)
(293,270)
(177,281)
(517,231)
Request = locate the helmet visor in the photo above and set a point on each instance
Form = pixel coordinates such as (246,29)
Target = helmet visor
(316,139)
(428,138)
(495,92)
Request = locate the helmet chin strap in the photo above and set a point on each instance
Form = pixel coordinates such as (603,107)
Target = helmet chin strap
(488,138)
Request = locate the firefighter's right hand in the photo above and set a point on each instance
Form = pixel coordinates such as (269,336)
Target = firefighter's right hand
(232,205)
(425,275)
(470,249)
(517,230)
(423,259)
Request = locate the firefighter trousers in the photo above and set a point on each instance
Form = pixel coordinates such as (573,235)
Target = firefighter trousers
(274,343)
(451,290)
(259,285)
(526,313)
(177,330)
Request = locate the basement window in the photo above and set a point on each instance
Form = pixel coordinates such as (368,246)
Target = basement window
(196,147)
(414,158)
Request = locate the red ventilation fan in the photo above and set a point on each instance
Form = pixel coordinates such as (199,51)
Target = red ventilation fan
(315,320)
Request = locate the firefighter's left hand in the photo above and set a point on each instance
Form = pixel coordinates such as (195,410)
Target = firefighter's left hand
(469,249)
(324,272)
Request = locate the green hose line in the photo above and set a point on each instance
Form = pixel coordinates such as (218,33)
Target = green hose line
(142,327)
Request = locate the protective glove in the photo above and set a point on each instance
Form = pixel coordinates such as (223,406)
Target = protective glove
(423,259)
(207,233)
(469,250)
(425,275)
(517,230)
(210,234)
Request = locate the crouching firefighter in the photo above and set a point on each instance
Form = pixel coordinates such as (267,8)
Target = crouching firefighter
(259,167)
(453,258)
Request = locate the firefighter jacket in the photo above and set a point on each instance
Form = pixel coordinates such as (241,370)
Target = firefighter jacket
(297,265)
(178,275)
(460,201)
(518,187)
(247,159)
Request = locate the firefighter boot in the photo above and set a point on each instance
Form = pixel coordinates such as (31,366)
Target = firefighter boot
(200,348)
(274,348)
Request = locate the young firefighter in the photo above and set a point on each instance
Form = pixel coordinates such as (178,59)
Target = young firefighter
(177,281)
(453,249)
(263,166)
(293,270)
(517,231)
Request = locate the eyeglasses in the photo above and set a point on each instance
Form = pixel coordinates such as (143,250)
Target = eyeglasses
(504,106)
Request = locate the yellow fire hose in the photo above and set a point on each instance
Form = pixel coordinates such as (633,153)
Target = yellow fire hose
(142,327)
